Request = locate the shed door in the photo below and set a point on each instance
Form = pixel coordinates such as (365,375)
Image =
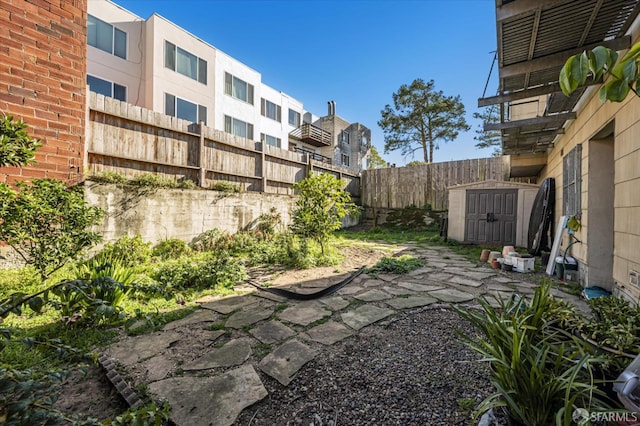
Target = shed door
(491,216)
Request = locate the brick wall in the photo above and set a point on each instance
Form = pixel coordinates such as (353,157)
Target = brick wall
(43,82)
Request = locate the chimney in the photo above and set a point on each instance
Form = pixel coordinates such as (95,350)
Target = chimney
(329,108)
(333,108)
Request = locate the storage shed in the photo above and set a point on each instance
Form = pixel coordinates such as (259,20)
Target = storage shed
(491,212)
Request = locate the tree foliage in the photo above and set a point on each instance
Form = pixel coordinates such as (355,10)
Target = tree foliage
(47,223)
(421,118)
(488,138)
(376,161)
(17,148)
(621,76)
(321,205)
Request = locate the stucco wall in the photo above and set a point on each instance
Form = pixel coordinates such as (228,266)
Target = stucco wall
(592,117)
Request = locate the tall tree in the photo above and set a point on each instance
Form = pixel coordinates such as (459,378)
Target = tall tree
(420,118)
(375,159)
(488,138)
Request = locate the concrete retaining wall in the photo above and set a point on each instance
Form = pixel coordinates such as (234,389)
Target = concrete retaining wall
(177,213)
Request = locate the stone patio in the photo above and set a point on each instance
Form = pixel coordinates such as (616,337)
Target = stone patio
(270,336)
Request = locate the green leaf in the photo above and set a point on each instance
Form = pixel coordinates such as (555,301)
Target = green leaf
(36,304)
(567,84)
(632,54)
(617,90)
(599,58)
(580,68)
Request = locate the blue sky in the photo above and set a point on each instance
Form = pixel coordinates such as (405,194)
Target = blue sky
(355,52)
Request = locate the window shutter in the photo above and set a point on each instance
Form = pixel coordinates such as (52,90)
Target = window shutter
(279,115)
(263,107)
(227,124)
(249,131)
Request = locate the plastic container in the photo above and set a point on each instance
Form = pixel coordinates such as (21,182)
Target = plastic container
(523,264)
(565,263)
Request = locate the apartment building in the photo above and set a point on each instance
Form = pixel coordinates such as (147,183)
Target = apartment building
(157,65)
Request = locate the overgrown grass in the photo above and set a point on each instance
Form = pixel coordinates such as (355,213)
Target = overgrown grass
(396,265)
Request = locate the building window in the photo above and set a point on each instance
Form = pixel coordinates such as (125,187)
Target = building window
(237,88)
(294,118)
(107,88)
(185,63)
(178,107)
(344,137)
(106,37)
(238,127)
(271,140)
(572,182)
(270,110)
(345,160)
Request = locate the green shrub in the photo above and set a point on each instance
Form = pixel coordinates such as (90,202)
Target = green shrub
(187,184)
(269,223)
(614,325)
(109,177)
(151,180)
(129,251)
(47,223)
(211,240)
(17,148)
(206,271)
(396,265)
(171,248)
(224,186)
(540,372)
(244,242)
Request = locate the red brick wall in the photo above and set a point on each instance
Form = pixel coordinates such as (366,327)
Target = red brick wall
(43,67)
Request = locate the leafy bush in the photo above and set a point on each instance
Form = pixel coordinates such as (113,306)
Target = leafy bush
(321,205)
(151,180)
(109,177)
(541,373)
(224,186)
(614,329)
(129,251)
(396,265)
(47,223)
(187,184)
(206,271)
(211,240)
(17,148)
(171,248)
(269,223)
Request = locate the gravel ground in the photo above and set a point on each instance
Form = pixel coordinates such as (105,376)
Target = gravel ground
(410,370)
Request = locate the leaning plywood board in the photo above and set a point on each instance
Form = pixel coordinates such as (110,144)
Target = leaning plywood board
(562,225)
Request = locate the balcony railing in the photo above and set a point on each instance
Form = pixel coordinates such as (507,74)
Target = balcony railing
(312,155)
(312,135)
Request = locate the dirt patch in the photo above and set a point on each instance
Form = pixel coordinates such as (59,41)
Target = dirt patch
(92,395)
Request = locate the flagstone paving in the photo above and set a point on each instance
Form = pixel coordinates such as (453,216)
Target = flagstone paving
(267,335)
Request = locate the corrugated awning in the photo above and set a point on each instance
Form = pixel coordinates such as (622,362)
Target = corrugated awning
(535,38)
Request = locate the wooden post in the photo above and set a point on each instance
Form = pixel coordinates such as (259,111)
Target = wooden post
(203,170)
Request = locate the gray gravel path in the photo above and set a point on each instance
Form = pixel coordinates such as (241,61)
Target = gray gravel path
(408,370)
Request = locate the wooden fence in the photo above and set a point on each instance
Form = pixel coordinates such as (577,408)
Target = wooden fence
(130,140)
(396,188)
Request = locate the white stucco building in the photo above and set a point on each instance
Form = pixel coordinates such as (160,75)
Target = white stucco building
(157,65)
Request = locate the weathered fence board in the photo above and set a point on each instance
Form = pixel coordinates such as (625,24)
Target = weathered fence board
(400,187)
(131,140)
